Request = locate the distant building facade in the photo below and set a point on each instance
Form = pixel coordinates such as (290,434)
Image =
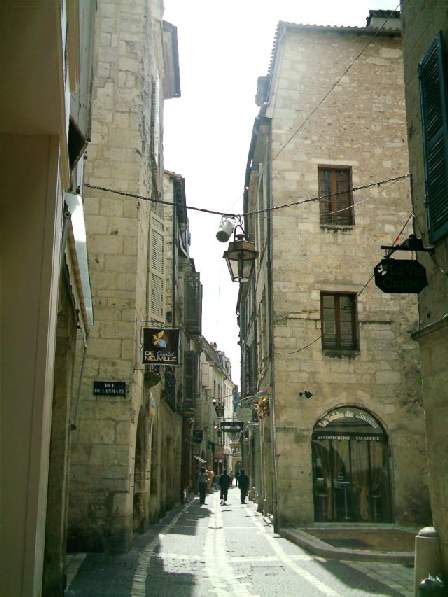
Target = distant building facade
(425,29)
(210,443)
(328,362)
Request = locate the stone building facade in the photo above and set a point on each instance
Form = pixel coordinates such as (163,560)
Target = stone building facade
(215,379)
(135,70)
(45,301)
(328,361)
(425,28)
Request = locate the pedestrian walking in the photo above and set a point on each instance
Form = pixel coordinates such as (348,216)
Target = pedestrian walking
(237,476)
(203,483)
(243,483)
(224,482)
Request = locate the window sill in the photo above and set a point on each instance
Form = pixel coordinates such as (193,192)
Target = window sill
(337,227)
(333,353)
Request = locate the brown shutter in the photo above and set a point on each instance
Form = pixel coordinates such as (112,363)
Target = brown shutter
(343,198)
(324,193)
(156,294)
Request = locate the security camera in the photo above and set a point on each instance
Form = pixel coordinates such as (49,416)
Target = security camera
(225,229)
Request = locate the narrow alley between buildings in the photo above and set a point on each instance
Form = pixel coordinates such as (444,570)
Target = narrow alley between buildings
(224,551)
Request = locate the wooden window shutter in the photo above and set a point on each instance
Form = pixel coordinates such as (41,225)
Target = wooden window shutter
(193,304)
(433,101)
(335,196)
(191,379)
(324,194)
(339,321)
(156,307)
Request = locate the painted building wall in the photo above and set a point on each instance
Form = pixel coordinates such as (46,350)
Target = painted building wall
(421,25)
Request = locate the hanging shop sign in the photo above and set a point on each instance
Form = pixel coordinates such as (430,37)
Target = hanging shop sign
(161,346)
(400,276)
(198,435)
(232,426)
(109,388)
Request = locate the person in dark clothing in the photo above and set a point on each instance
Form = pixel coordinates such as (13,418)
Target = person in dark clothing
(243,483)
(203,484)
(224,482)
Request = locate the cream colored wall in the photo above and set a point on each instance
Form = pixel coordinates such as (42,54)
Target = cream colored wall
(127,63)
(362,125)
(30,225)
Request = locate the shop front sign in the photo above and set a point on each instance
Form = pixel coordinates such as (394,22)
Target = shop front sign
(161,346)
(348,413)
(400,276)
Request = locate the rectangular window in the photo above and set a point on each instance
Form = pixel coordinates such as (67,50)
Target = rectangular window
(433,100)
(336,198)
(338,321)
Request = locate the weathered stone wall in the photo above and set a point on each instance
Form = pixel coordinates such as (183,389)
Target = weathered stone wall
(422,23)
(362,125)
(125,117)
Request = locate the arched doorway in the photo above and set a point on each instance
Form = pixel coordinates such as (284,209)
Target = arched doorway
(351,481)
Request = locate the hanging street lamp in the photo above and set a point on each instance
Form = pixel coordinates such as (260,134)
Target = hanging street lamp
(240,257)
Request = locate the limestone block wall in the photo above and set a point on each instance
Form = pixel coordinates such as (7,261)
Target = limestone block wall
(361,125)
(127,65)
(422,24)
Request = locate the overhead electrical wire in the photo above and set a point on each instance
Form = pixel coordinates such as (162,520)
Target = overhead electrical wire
(377,183)
(332,88)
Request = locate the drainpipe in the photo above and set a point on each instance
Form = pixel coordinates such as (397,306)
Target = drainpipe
(173,267)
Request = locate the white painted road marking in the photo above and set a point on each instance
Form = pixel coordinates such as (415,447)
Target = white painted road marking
(217,563)
(289,561)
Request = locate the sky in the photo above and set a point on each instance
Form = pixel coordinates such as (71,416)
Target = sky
(224,45)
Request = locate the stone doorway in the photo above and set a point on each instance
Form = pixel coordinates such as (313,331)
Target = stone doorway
(351,480)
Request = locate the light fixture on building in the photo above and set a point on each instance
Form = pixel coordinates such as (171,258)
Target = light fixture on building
(240,256)
(306,394)
(226,227)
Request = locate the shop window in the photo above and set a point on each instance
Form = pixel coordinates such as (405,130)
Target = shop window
(351,477)
(339,321)
(336,197)
(433,101)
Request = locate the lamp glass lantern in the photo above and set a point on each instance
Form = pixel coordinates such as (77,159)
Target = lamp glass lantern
(240,257)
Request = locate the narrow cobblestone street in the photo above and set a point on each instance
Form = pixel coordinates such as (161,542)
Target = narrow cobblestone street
(226,550)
